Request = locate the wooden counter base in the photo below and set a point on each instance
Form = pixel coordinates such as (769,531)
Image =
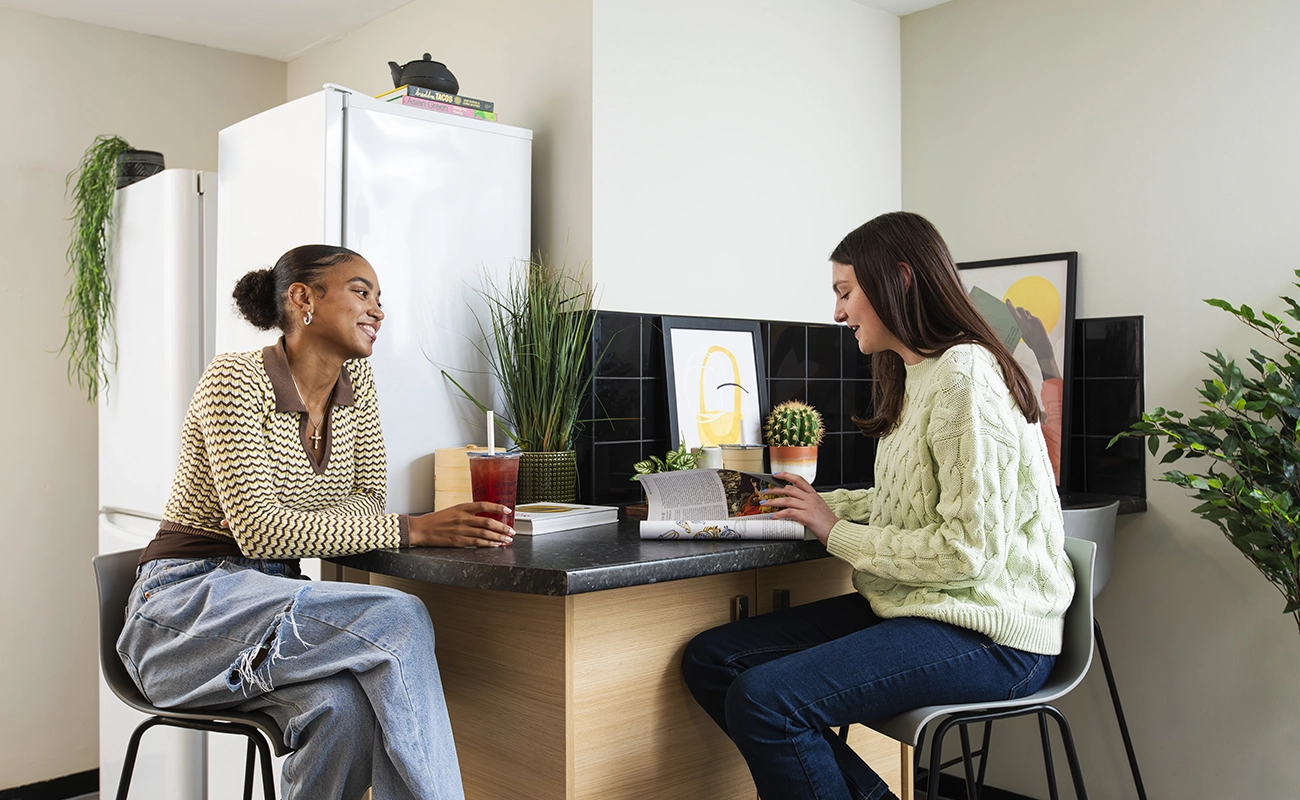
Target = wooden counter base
(581,698)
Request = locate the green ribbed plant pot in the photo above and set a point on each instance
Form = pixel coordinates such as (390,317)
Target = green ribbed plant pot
(548,477)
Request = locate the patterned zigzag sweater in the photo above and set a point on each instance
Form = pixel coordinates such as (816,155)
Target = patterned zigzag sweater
(964,524)
(243,460)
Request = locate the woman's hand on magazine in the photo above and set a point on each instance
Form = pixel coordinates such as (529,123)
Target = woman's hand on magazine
(799,501)
(457,526)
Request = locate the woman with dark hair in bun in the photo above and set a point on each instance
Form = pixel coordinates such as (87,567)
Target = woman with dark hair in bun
(282,458)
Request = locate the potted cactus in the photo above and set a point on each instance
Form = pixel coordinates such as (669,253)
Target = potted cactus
(793,431)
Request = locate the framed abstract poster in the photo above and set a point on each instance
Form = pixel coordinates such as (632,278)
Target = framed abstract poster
(717,381)
(1029,303)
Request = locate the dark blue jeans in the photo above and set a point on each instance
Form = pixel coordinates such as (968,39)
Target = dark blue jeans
(779,683)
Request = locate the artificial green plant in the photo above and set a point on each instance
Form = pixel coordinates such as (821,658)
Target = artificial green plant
(89,302)
(538,336)
(1248,432)
(681,458)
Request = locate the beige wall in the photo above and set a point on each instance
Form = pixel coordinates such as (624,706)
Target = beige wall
(1157,138)
(65,83)
(532,59)
(735,143)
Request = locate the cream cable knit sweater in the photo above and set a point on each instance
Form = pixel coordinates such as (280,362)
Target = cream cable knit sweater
(963,524)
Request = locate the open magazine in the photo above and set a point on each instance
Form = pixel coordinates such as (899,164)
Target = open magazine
(712,504)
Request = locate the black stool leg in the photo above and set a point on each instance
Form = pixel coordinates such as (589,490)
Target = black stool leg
(248,770)
(1119,711)
(268,782)
(972,791)
(1047,757)
(132,750)
(1076,773)
(916,757)
(936,758)
(984,753)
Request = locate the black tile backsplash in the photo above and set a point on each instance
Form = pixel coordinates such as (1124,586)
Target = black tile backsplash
(611,480)
(1113,405)
(783,390)
(828,461)
(1111,346)
(618,338)
(787,350)
(824,356)
(859,460)
(618,409)
(1107,397)
(821,364)
(857,403)
(652,347)
(1115,470)
(828,398)
(654,408)
(852,363)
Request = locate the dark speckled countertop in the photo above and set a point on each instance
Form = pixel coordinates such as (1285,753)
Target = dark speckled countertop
(603,557)
(583,560)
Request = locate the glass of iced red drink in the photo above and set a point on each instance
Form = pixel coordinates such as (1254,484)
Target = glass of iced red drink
(493,478)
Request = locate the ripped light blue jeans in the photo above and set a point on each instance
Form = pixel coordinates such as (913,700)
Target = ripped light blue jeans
(347,670)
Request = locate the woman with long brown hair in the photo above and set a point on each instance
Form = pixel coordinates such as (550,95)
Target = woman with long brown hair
(957,551)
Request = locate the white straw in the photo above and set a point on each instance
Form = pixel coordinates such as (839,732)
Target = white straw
(491,433)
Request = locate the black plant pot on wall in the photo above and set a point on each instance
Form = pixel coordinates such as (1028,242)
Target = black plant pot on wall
(136,165)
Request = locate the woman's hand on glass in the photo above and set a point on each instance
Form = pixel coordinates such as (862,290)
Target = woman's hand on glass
(458,526)
(799,501)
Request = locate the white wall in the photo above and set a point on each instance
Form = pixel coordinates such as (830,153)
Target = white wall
(67,82)
(1157,138)
(734,143)
(532,59)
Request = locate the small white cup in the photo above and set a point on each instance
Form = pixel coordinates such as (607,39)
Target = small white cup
(710,458)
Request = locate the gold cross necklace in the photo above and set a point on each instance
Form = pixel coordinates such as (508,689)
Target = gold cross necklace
(315,434)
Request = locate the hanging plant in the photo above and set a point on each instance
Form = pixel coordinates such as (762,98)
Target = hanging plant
(90,298)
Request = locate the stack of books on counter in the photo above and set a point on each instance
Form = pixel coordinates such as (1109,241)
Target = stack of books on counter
(535,518)
(428,99)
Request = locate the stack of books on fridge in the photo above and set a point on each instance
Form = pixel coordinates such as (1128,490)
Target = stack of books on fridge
(430,100)
(535,518)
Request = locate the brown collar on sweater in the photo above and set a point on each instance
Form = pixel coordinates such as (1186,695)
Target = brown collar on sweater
(286,395)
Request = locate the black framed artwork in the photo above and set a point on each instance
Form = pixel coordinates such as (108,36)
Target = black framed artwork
(717,381)
(1029,303)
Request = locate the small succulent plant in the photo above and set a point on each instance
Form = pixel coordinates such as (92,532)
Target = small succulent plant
(681,458)
(793,424)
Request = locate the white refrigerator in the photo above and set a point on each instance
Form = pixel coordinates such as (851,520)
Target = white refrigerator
(435,202)
(162,265)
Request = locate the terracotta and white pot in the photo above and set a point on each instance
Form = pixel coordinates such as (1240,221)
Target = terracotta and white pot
(801,461)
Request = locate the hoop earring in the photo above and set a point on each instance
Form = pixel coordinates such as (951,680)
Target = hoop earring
(307,319)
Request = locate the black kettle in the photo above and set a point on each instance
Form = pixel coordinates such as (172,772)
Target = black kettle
(427,74)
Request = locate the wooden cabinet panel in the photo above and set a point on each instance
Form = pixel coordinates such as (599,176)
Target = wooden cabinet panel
(637,732)
(807,582)
(503,661)
(581,697)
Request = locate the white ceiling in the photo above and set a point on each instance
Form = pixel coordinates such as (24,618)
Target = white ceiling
(902,7)
(279,29)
